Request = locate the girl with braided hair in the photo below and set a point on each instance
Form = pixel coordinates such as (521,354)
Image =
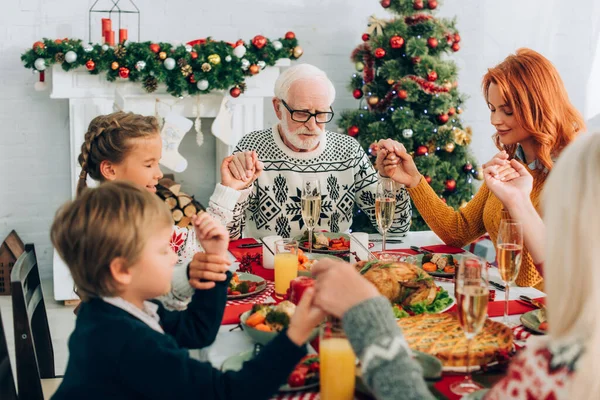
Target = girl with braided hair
(124,146)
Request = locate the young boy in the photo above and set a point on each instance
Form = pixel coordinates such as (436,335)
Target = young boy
(115,240)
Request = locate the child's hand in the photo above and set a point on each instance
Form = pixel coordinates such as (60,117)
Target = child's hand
(207,267)
(305,319)
(213,236)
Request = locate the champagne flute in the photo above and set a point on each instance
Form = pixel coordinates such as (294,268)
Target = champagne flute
(473,295)
(509,253)
(385,207)
(311,206)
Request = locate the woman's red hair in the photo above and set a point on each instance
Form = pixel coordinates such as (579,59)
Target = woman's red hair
(532,87)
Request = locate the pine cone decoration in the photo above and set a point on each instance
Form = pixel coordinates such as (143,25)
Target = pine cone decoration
(120,51)
(186,70)
(181,62)
(59,57)
(150,84)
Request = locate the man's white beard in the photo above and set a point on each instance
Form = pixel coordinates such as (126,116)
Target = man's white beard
(295,139)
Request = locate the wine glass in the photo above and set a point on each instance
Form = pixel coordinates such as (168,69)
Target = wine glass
(509,253)
(385,206)
(311,206)
(472,299)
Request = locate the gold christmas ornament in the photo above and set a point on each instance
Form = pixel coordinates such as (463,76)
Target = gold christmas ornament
(206,67)
(447,85)
(298,51)
(186,70)
(162,55)
(214,59)
(114,66)
(376,26)
(463,138)
(359,66)
(391,81)
(450,147)
(479,175)
(373,100)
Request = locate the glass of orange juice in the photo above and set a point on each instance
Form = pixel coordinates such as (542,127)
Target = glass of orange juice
(286,265)
(338,362)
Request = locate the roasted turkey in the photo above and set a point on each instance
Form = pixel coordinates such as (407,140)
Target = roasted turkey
(400,282)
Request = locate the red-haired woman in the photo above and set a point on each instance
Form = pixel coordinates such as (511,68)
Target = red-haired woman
(534,122)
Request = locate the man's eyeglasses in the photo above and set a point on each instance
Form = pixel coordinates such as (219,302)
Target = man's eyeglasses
(304,116)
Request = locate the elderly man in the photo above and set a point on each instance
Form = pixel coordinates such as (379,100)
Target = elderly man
(261,186)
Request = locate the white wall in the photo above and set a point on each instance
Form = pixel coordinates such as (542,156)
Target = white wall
(34,175)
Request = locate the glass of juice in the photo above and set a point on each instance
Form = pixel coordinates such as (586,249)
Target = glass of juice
(338,363)
(286,265)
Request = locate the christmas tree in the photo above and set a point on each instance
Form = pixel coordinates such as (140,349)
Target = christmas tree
(408,92)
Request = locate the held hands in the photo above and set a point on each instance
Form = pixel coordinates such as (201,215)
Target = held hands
(213,264)
(240,170)
(508,180)
(393,161)
(339,287)
(305,318)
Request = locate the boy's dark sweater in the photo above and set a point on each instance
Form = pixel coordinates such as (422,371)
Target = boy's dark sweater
(114,355)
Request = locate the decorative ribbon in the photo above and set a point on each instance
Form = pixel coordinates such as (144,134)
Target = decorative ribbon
(376,26)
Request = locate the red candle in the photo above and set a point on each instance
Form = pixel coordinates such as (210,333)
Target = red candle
(109,38)
(122,35)
(106,26)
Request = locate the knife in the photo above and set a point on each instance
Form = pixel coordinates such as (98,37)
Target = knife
(249,245)
(498,286)
(533,302)
(420,250)
(387,240)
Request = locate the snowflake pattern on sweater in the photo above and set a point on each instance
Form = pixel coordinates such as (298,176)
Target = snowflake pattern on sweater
(347,177)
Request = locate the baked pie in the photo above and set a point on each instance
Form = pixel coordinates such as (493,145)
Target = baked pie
(442,336)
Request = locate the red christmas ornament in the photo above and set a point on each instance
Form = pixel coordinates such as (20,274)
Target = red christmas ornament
(416,60)
(239,42)
(456,47)
(443,118)
(254,69)
(443,199)
(90,65)
(432,76)
(432,42)
(365,37)
(450,185)
(427,179)
(58,41)
(386,3)
(396,42)
(353,130)
(403,94)
(421,150)
(373,149)
(432,4)
(379,52)
(235,92)
(39,46)
(418,5)
(290,35)
(456,37)
(259,41)
(155,48)
(357,93)
(468,168)
(194,55)
(124,72)
(451,111)
(449,39)
(192,79)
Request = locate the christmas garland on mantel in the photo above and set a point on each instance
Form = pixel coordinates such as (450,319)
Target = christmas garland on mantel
(199,67)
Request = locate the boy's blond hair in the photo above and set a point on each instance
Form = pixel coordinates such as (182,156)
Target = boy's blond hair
(113,220)
(108,138)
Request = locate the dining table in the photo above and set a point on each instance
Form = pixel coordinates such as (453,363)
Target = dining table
(231,340)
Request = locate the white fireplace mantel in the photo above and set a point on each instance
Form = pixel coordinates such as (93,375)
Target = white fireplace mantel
(92,95)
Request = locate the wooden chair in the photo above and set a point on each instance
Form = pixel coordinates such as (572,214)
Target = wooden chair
(33,344)
(7,381)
